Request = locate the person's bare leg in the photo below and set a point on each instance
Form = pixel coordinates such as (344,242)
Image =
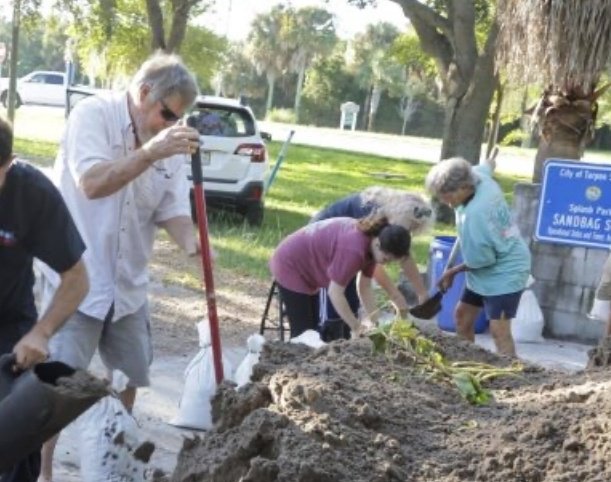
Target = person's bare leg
(465,316)
(46,459)
(501,334)
(609,324)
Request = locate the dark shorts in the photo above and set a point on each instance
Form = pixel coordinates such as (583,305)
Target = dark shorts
(496,307)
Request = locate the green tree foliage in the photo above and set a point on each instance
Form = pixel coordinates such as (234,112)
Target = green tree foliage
(311,33)
(328,85)
(41,46)
(269,46)
(376,69)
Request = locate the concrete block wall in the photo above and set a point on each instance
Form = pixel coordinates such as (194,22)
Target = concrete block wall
(566,277)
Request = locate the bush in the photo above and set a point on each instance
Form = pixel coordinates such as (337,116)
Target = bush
(286,116)
(514,138)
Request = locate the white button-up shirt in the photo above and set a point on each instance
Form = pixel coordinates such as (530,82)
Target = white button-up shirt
(119,230)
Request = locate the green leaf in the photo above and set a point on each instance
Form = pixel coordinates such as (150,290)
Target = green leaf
(471,389)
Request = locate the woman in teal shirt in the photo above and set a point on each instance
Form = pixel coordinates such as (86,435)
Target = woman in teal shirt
(496,258)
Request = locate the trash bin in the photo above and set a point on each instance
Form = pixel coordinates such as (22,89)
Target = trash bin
(440,250)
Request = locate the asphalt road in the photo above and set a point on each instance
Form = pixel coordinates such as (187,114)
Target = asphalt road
(46,123)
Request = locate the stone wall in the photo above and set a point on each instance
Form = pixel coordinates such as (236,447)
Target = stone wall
(566,277)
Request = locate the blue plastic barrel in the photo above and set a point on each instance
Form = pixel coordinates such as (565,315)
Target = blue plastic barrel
(439,252)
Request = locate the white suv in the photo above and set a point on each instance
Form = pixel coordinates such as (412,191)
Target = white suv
(233,156)
(38,87)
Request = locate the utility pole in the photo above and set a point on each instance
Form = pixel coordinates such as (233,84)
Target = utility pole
(12,83)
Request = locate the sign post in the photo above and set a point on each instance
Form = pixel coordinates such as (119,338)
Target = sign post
(575,206)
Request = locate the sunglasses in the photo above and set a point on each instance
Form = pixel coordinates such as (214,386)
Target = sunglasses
(168,114)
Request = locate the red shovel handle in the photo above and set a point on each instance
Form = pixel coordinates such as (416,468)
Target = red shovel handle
(202,223)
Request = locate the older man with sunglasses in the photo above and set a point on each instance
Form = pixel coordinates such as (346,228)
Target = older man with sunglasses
(120,170)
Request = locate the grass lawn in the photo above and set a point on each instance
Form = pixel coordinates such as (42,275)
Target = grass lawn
(309,179)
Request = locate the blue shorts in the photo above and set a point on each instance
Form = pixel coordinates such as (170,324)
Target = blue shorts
(496,307)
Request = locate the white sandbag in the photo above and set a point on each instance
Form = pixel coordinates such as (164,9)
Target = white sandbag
(527,326)
(244,372)
(310,338)
(108,440)
(194,408)
(600,310)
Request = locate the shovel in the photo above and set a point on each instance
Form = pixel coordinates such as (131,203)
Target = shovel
(37,404)
(429,308)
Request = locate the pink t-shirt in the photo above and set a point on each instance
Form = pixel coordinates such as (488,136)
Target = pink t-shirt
(330,250)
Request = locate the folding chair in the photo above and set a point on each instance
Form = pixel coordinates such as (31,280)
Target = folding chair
(268,322)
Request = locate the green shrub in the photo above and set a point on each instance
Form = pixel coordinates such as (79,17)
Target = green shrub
(286,116)
(514,138)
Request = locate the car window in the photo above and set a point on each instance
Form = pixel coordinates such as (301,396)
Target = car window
(55,79)
(225,122)
(38,79)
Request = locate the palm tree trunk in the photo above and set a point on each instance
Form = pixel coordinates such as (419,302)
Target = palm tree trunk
(271,80)
(566,126)
(376,93)
(300,77)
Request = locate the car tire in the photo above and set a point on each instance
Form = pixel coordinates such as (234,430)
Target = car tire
(254,214)
(4,99)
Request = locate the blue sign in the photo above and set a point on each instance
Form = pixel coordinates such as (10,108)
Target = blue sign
(575,206)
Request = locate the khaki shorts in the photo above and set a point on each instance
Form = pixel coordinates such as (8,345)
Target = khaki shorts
(124,344)
(603,292)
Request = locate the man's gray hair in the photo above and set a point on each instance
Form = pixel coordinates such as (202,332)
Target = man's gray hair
(166,75)
(449,176)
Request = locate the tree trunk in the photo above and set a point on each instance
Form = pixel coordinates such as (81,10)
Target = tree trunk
(180,16)
(493,135)
(376,93)
(300,77)
(465,115)
(565,128)
(366,105)
(14,55)
(155,16)
(271,80)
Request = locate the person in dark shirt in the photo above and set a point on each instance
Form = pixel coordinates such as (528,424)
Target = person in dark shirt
(34,223)
(406,209)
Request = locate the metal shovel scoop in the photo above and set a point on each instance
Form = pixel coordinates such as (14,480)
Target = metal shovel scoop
(429,308)
(433,305)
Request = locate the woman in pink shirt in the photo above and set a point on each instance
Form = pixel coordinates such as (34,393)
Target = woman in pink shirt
(328,254)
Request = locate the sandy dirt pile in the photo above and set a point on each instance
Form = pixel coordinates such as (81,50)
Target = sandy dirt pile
(343,413)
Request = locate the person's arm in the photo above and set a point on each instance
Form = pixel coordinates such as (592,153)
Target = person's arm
(180,229)
(395,296)
(34,346)
(412,273)
(340,303)
(367,297)
(447,278)
(106,178)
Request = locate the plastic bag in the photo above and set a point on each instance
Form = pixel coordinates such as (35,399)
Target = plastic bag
(195,410)
(109,441)
(600,310)
(310,338)
(243,373)
(527,326)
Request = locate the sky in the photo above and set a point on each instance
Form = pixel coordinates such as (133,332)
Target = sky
(233,17)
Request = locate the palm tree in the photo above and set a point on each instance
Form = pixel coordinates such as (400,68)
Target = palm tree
(565,45)
(312,34)
(376,67)
(268,46)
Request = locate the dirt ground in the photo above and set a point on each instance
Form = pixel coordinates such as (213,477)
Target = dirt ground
(342,413)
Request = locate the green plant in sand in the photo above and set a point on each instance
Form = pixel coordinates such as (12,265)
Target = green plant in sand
(403,338)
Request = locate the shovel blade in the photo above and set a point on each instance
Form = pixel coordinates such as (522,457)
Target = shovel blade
(429,308)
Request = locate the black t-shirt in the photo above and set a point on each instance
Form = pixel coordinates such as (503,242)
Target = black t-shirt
(34,222)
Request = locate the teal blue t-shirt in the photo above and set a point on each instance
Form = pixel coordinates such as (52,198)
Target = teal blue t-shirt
(497,256)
